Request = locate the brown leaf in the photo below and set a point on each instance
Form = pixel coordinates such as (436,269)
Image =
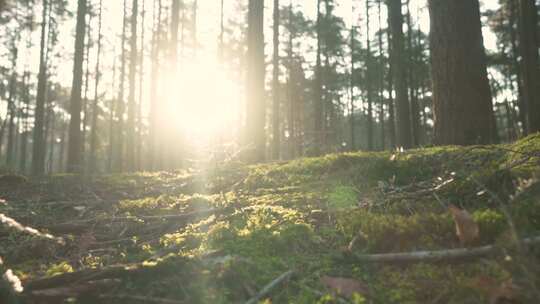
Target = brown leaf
(497,292)
(344,286)
(86,241)
(466,228)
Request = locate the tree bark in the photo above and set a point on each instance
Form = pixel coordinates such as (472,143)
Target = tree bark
(463,107)
(369,82)
(38,146)
(255,80)
(12,111)
(130,128)
(398,62)
(276,139)
(528,47)
(74,164)
(95,107)
(318,100)
(118,163)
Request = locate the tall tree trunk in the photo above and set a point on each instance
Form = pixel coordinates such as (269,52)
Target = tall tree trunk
(74,164)
(404,137)
(255,79)
(462,97)
(381,80)
(351,87)
(61,157)
(390,82)
(38,146)
(85,100)
(24,117)
(292,141)
(413,93)
(112,109)
(51,122)
(130,128)
(118,163)
(12,111)
(528,42)
(276,139)
(92,164)
(318,99)
(522,106)
(139,142)
(173,134)
(369,91)
(154,111)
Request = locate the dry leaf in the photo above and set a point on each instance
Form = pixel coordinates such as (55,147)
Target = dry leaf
(86,241)
(497,292)
(467,229)
(345,287)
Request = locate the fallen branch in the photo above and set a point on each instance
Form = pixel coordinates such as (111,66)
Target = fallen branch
(438,255)
(138,299)
(268,288)
(13,224)
(71,291)
(85,225)
(86,275)
(10,285)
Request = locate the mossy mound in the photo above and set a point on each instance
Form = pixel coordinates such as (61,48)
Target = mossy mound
(219,235)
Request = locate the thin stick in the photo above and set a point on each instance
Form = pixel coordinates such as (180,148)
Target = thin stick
(438,255)
(268,288)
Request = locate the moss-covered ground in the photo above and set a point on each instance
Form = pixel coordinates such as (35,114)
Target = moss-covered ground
(246,225)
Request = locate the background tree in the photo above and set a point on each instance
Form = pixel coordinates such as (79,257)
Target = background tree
(75,144)
(462,97)
(404,136)
(255,120)
(528,47)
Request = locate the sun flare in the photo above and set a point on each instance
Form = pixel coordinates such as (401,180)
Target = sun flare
(201,101)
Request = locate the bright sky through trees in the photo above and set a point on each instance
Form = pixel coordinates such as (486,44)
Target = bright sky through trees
(204,90)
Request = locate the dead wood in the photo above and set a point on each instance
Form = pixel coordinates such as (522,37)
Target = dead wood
(268,288)
(438,255)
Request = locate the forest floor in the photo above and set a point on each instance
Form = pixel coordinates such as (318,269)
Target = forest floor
(291,232)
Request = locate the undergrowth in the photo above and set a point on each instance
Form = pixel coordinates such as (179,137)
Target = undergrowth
(299,215)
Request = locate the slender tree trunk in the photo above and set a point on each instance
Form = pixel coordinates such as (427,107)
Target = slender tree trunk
(62,156)
(139,142)
(352,97)
(390,82)
(12,111)
(415,108)
(154,111)
(85,100)
(404,137)
(51,130)
(462,97)
(528,42)
(74,164)
(24,118)
(292,141)
(112,108)
(369,91)
(130,147)
(318,100)
(276,139)
(95,107)
(255,79)
(118,163)
(38,146)
(516,66)
(381,80)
